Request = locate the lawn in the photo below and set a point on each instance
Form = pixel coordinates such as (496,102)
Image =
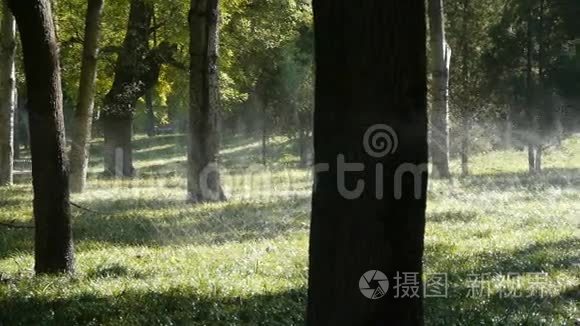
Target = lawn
(508,243)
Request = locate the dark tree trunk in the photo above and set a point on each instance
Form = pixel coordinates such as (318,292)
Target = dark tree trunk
(509,126)
(83,117)
(53,232)
(441,58)
(137,70)
(467,113)
(118,154)
(264,134)
(464,151)
(532,134)
(150,113)
(544,115)
(302,138)
(203,178)
(17,138)
(119,103)
(7,96)
(21,130)
(371,72)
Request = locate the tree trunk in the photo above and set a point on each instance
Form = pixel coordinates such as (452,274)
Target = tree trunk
(532,134)
(440,62)
(264,135)
(544,113)
(203,178)
(508,129)
(7,96)
(83,118)
(137,70)
(371,82)
(466,125)
(21,130)
(52,217)
(118,146)
(17,138)
(150,113)
(302,139)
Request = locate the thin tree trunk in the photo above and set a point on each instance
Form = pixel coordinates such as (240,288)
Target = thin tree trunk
(371,72)
(81,135)
(558,122)
(150,113)
(264,135)
(7,96)
(52,217)
(538,163)
(17,140)
(203,178)
(508,129)
(441,59)
(466,125)
(531,111)
(302,138)
(21,130)
(466,115)
(543,114)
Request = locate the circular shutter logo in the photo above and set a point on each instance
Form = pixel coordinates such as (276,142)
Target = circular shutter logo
(373,284)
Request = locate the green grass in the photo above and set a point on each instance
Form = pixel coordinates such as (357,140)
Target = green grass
(149,258)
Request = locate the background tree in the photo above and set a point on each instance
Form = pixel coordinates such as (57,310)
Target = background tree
(525,57)
(7,95)
(83,117)
(203,178)
(371,69)
(52,217)
(128,86)
(137,70)
(468,33)
(439,118)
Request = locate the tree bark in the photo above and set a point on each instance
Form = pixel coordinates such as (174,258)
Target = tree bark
(52,217)
(302,133)
(203,177)
(137,70)
(508,129)
(440,62)
(118,151)
(264,128)
(128,87)
(544,113)
(467,114)
(21,129)
(83,117)
(466,125)
(7,96)
(371,71)
(532,135)
(150,113)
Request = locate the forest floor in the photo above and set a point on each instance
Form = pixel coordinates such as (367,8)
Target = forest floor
(508,243)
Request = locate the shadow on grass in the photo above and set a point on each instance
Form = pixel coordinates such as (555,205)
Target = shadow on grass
(175,306)
(451,217)
(498,309)
(552,177)
(162,222)
(543,256)
(166,221)
(538,257)
(464,306)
